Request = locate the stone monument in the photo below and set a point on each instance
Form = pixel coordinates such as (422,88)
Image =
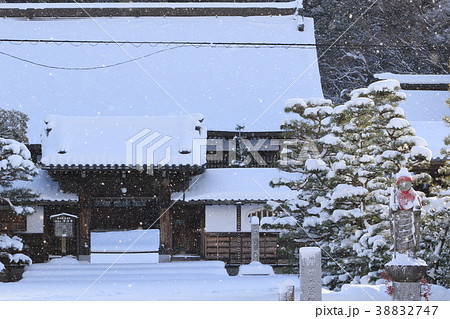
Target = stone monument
(255,268)
(310,274)
(255,238)
(405,269)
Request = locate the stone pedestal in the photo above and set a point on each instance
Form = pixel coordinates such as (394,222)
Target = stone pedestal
(406,291)
(406,281)
(310,274)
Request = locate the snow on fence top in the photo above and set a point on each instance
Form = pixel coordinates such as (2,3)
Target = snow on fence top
(238,184)
(163,140)
(238,76)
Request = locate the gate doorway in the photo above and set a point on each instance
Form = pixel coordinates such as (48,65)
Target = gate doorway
(187,225)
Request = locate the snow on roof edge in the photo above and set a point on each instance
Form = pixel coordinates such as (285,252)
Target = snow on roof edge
(237,185)
(415,78)
(212,4)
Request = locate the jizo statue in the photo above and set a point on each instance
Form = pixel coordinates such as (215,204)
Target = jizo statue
(405,214)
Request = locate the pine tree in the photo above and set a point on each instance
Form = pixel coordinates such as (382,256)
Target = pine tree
(344,195)
(13,125)
(10,249)
(355,203)
(397,146)
(15,165)
(307,150)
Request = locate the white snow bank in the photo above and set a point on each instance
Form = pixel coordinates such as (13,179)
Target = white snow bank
(255,268)
(65,260)
(238,184)
(125,258)
(176,281)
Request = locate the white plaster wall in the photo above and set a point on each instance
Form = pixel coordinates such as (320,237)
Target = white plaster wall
(220,218)
(245,211)
(35,221)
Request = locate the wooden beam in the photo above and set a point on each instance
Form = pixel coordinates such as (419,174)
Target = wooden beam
(165,218)
(238,217)
(84,224)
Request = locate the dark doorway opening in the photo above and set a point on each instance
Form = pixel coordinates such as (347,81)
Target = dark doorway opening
(187,225)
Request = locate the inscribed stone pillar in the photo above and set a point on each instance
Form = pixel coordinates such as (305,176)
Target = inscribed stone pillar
(255,238)
(310,274)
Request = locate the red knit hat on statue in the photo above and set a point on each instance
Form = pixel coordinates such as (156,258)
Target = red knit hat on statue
(403,175)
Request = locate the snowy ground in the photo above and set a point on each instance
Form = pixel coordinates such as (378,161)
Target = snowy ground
(69,280)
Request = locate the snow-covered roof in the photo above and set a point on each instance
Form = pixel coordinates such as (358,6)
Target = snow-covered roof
(240,70)
(46,188)
(254,4)
(416,78)
(151,140)
(424,110)
(238,184)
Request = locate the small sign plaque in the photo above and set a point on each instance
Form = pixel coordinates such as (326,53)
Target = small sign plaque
(64,226)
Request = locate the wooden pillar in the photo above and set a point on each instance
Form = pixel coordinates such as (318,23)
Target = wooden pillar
(84,249)
(165,218)
(239,236)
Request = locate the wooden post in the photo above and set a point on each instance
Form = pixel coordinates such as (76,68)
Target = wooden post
(165,220)
(239,236)
(63,245)
(84,224)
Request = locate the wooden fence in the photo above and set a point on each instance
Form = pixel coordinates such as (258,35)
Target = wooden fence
(234,248)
